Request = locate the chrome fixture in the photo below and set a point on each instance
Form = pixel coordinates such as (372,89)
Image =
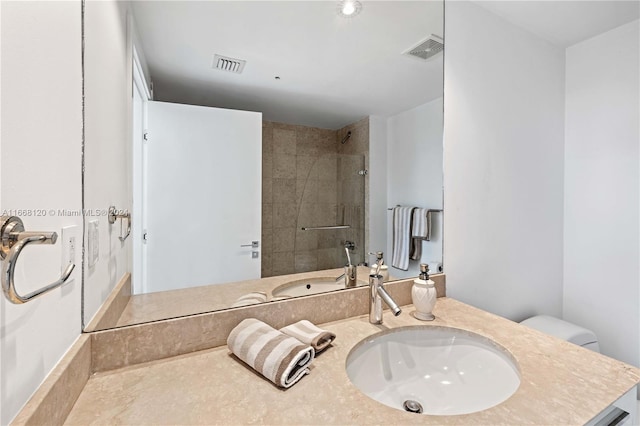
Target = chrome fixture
(350,271)
(377,294)
(14,240)
(322,228)
(346,138)
(114,215)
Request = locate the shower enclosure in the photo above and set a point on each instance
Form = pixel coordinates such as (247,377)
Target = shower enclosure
(332,202)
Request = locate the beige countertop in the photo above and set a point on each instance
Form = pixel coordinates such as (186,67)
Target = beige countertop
(560,383)
(160,305)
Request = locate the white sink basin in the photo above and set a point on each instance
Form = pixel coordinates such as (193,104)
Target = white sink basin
(310,286)
(445,370)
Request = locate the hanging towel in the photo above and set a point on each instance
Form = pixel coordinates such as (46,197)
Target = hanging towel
(280,358)
(252,298)
(401,237)
(309,333)
(420,231)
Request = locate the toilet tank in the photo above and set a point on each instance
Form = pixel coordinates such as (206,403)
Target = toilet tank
(564,330)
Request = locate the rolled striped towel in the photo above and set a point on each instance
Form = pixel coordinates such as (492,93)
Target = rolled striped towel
(309,333)
(252,298)
(280,358)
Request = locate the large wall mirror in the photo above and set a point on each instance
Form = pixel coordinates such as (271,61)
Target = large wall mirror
(244,152)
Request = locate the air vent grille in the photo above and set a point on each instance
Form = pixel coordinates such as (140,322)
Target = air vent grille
(224,63)
(427,49)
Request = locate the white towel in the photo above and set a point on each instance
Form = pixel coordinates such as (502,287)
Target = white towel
(280,358)
(252,298)
(307,332)
(401,249)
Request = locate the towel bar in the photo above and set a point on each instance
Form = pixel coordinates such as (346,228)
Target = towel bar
(14,240)
(320,228)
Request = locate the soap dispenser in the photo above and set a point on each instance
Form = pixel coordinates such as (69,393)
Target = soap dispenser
(423,294)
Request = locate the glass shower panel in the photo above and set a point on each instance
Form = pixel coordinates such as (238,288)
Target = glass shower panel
(333,193)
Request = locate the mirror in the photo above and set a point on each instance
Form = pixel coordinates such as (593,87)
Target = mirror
(254,148)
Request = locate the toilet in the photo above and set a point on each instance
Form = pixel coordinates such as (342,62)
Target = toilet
(564,330)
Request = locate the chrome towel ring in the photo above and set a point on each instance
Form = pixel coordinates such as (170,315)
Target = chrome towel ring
(14,240)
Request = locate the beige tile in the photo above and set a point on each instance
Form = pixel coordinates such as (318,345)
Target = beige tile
(112,308)
(285,215)
(284,240)
(284,126)
(284,191)
(306,191)
(306,240)
(267,216)
(329,239)
(267,139)
(327,192)
(267,166)
(283,263)
(307,216)
(266,265)
(284,166)
(306,167)
(326,214)
(284,141)
(306,261)
(328,259)
(267,240)
(328,167)
(267,190)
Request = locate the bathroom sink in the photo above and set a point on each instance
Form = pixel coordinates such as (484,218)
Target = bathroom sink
(433,370)
(310,286)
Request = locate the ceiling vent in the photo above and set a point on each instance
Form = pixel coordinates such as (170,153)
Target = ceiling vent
(224,63)
(427,49)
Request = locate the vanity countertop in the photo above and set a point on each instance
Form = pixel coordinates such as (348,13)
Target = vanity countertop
(561,383)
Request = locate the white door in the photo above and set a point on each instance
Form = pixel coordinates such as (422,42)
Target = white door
(204,195)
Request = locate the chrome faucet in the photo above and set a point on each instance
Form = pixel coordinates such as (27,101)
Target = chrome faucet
(350,271)
(377,294)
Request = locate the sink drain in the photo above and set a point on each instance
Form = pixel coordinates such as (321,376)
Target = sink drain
(412,406)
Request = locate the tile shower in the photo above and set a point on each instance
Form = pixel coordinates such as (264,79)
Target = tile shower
(310,179)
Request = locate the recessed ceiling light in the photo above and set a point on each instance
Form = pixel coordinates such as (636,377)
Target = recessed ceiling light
(349,8)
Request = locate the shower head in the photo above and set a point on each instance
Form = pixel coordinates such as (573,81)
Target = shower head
(346,138)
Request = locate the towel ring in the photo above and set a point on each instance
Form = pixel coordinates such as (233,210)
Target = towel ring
(14,240)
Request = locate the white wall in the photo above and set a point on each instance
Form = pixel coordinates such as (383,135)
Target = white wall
(40,165)
(108,148)
(377,186)
(602,190)
(504,108)
(414,163)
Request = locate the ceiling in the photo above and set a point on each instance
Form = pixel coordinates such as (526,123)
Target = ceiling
(565,23)
(333,70)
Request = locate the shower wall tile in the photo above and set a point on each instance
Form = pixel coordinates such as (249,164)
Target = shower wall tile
(306,240)
(284,216)
(283,240)
(267,216)
(283,263)
(303,176)
(284,141)
(284,191)
(267,166)
(327,193)
(284,166)
(305,261)
(267,138)
(267,190)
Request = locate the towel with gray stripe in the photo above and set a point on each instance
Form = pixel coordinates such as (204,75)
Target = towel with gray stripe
(309,333)
(282,359)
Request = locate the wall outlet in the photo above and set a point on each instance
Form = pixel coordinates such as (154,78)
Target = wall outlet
(69,240)
(93,243)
